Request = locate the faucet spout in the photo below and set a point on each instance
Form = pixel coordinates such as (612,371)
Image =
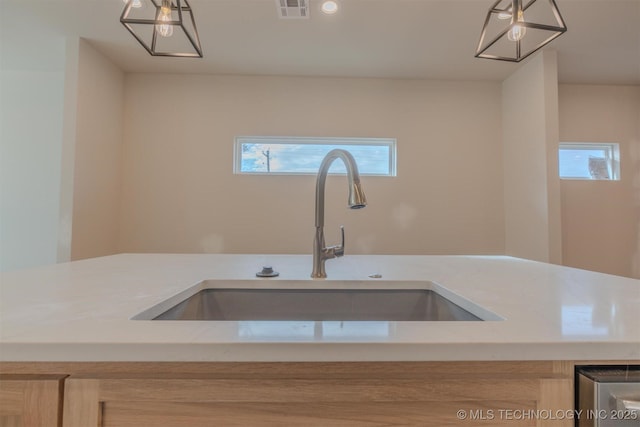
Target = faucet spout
(356,200)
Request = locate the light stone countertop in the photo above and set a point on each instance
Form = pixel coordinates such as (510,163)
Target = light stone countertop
(82,311)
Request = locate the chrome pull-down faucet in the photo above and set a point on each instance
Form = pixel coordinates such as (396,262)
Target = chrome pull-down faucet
(357,200)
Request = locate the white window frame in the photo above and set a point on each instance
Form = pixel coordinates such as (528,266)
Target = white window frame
(612,151)
(391,143)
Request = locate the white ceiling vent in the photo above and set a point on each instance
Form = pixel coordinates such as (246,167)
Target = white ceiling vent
(293,9)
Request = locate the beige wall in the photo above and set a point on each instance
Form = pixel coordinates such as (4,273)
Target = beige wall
(180,194)
(158,178)
(530,140)
(600,219)
(98,155)
(32,77)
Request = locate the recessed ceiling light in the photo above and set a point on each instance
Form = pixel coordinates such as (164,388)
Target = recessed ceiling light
(329,7)
(135,3)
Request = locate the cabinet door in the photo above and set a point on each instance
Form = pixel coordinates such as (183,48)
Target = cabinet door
(330,402)
(31,401)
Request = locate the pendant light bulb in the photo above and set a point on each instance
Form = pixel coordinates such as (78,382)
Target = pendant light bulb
(165,30)
(517,30)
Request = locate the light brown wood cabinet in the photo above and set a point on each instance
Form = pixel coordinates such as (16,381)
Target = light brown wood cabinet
(322,394)
(31,400)
(354,394)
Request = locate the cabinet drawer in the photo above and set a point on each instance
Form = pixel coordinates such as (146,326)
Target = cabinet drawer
(30,400)
(326,402)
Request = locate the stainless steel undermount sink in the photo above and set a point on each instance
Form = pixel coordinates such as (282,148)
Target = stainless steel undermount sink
(231,300)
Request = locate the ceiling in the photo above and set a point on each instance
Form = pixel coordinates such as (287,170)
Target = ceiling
(430,39)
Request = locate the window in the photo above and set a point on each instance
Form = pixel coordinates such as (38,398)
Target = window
(302,156)
(598,161)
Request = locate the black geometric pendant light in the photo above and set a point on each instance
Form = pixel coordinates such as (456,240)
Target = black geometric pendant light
(163,27)
(514,29)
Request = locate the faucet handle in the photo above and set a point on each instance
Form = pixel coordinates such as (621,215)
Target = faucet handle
(339,249)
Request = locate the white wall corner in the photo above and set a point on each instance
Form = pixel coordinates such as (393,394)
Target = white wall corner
(69,130)
(530,130)
(552,121)
(97,169)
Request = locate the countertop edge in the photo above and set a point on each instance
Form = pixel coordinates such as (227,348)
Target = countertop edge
(314,352)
